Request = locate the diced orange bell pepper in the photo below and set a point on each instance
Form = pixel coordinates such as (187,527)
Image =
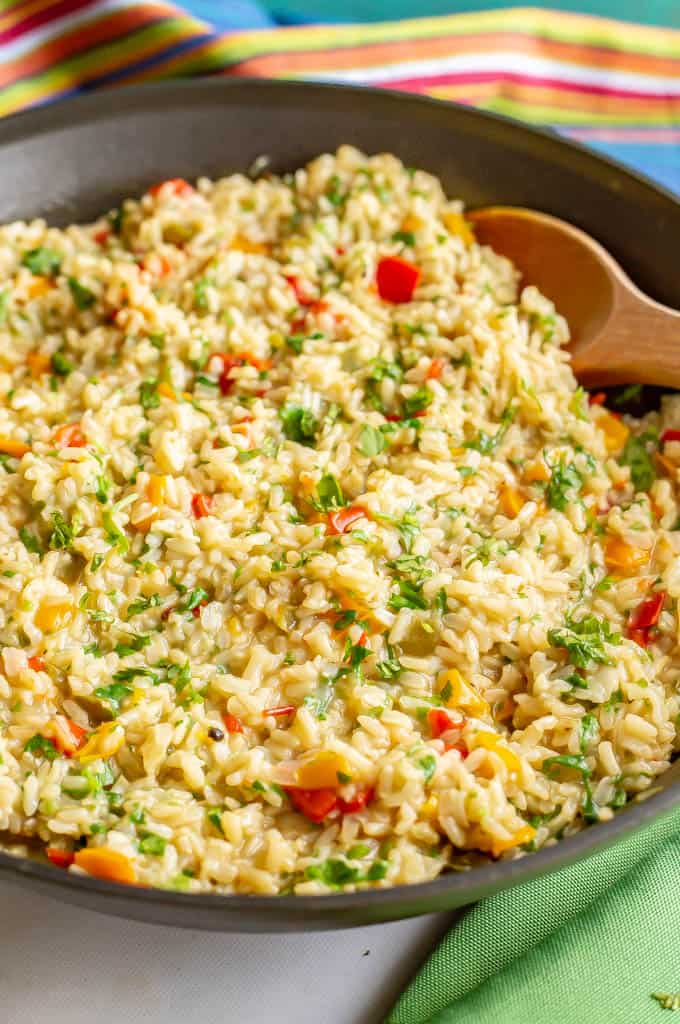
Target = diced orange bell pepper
(69,435)
(435,369)
(341,519)
(321,771)
(511,502)
(38,363)
(615,432)
(523,835)
(101,862)
(17,449)
(623,558)
(536,472)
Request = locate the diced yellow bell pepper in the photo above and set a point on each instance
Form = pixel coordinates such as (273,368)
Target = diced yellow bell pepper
(243,244)
(103,743)
(156,489)
(463,697)
(456,224)
(38,286)
(615,431)
(430,808)
(167,391)
(55,615)
(623,558)
(9,446)
(511,502)
(523,835)
(493,742)
(321,771)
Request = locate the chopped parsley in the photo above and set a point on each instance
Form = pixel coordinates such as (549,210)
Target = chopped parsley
(636,455)
(565,479)
(42,261)
(148,394)
(30,541)
(114,695)
(485,443)
(82,296)
(371,441)
(61,365)
(329,494)
(142,604)
(418,401)
(584,640)
(152,844)
(299,424)
(63,533)
(40,746)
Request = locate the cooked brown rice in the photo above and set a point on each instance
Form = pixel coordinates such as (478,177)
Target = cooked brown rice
(303,588)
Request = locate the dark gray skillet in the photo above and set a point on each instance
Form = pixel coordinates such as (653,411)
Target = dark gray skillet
(72,161)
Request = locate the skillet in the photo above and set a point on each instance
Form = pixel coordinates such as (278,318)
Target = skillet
(72,161)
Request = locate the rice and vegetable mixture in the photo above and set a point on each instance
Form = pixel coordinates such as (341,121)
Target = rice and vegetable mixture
(317,569)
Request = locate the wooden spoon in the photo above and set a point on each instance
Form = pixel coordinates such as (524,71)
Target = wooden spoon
(618,334)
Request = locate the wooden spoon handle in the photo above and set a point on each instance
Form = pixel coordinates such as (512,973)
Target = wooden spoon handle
(640,343)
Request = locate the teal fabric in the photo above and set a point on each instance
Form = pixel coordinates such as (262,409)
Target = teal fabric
(650,12)
(590,943)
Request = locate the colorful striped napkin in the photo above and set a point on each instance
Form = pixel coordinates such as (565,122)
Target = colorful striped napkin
(613,85)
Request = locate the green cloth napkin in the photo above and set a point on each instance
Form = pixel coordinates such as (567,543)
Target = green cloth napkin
(590,943)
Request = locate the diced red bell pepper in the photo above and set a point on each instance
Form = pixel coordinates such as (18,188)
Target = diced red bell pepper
(281,711)
(341,519)
(37,663)
(228,361)
(174,186)
(69,740)
(599,398)
(439,722)
(361,799)
(196,612)
(201,505)
(232,723)
(648,611)
(396,279)
(69,435)
(644,617)
(315,804)
(639,636)
(302,290)
(102,236)
(60,858)
(670,435)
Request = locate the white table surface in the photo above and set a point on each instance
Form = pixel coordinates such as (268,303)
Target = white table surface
(64,965)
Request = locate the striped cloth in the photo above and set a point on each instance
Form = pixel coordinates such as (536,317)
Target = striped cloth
(611,84)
